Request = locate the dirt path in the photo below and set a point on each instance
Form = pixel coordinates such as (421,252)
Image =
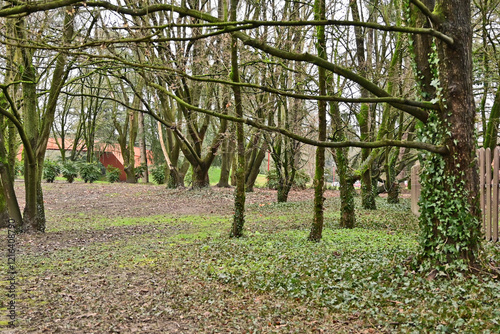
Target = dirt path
(146,199)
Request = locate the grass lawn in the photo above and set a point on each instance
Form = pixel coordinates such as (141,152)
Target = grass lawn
(214,175)
(171,272)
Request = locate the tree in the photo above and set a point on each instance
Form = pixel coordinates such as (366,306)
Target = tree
(239,194)
(450,212)
(34,128)
(444,111)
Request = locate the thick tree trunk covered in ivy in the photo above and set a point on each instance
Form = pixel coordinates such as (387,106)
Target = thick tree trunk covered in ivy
(450,212)
(319,175)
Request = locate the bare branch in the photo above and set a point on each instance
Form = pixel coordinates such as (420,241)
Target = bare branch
(245,120)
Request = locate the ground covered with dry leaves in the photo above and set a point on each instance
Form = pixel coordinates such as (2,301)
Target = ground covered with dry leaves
(112,261)
(123,258)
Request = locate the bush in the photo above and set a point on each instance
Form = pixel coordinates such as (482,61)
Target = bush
(19,168)
(113,174)
(139,171)
(69,171)
(50,170)
(90,172)
(300,181)
(158,174)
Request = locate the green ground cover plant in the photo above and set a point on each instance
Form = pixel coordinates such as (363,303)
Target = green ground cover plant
(100,271)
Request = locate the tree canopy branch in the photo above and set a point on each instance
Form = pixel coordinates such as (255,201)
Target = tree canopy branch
(30,155)
(427,12)
(290,134)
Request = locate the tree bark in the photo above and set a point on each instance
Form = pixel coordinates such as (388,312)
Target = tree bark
(254,168)
(319,175)
(227,160)
(449,220)
(239,195)
(142,147)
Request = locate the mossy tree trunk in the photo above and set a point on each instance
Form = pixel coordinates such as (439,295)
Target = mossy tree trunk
(319,175)
(363,116)
(31,123)
(227,156)
(239,196)
(9,207)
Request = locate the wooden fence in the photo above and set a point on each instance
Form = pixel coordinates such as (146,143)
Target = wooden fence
(489,173)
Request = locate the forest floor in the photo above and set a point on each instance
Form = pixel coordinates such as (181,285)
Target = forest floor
(122,258)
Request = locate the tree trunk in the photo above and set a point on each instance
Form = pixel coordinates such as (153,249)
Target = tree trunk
(31,124)
(347,209)
(227,160)
(393,193)
(142,146)
(367,194)
(319,175)
(254,169)
(233,174)
(200,176)
(4,212)
(363,117)
(239,195)
(283,191)
(449,220)
(9,207)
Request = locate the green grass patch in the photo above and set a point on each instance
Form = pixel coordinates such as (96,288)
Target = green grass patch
(214,176)
(361,273)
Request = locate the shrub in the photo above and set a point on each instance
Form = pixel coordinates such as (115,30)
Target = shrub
(19,168)
(90,172)
(139,171)
(50,170)
(69,171)
(300,181)
(158,174)
(113,174)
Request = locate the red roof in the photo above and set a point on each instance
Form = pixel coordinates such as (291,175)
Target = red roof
(52,145)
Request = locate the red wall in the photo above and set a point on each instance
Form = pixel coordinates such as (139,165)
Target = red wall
(108,158)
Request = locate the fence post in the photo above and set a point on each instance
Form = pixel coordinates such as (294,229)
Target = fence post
(480,153)
(494,207)
(487,166)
